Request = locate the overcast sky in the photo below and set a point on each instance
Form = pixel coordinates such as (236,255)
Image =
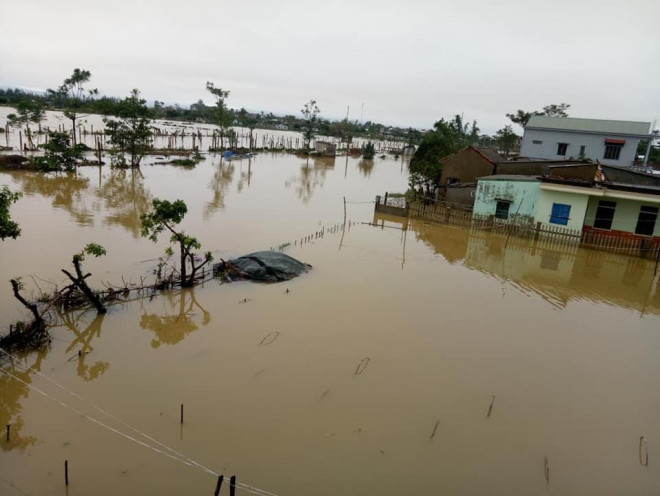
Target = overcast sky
(410,63)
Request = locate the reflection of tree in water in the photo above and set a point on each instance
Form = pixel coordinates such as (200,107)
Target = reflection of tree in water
(11,392)
(172,328)
(310,178)
(222,178)
(125,197)
(67,191)
(82,343)
(366,167)
(244,177)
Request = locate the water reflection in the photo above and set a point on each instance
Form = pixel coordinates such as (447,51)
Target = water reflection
(66,189)
(245,175)
(178,319)
(223,175)
(15,379)
(310,177)
(125,197)
(366,166)
(556,271)
(82,344)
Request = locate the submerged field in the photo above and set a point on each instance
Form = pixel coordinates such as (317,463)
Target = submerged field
(433,360)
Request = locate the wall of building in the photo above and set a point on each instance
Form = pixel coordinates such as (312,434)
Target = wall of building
(626,215)
(578,203)
(594,146)
(461,195)
(466,165)
(523,196)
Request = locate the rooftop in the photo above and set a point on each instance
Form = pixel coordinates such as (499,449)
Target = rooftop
(589,125)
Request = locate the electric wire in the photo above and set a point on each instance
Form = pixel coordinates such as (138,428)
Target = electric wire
(177,456)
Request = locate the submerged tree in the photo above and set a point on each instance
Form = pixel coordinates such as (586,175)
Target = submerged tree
(29,111)
(166,215)
(448,137)
(8,228)
(59,153)
(130,134)
(221,115)
(79,280)
(310,113)
(73,95)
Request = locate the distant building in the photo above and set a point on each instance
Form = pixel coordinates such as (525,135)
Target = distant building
(609,142)
(325,148)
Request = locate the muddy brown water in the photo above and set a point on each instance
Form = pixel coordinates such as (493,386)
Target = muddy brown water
(374,374)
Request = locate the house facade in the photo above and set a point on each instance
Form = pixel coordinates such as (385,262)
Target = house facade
(613,210)
(609,142)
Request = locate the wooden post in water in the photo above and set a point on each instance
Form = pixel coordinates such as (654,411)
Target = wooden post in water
(218,485)
(182,413)
(8,429)
(66,472)
(232,485)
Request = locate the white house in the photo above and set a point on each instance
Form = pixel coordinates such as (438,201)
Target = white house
(609,142)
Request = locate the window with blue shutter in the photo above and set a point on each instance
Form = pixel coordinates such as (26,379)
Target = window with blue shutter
(560,214)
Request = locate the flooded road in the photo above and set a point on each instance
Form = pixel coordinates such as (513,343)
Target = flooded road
(429,361)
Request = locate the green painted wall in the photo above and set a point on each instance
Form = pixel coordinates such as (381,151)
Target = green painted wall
(578,203)
(523,196)
(625,214)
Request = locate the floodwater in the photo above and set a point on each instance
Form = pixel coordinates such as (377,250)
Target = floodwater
(428,361)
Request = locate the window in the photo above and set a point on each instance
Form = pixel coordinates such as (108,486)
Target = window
(646,220)
(561,149)
(604,214)
(537,142)
(502,209)
(560,214)
(612,151)
(583,151)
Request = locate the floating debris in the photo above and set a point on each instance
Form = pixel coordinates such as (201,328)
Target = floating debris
(490,408)
(269,338)
(546,470)
(643,460)
(325,393)
(435,429)
(362,365)
(245,300)
(258,374)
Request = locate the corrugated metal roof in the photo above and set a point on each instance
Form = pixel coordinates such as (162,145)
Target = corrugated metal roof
(589,125)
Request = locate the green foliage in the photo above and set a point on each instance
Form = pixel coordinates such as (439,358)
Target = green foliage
(28,111)
(220,115)
(72,94)
(59,154)
(448,137)
(8,228)
(555,110)
(310,113)
(368,150)
(506,139)
(130,134)
(166,215)
(93,249)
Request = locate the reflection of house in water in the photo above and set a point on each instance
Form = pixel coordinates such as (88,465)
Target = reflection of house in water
(560,272)
(557,270)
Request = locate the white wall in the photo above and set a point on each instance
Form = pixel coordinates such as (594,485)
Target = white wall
(578,203)
(594,143)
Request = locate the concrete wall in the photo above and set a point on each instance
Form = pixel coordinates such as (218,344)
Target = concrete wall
(462,195)
(521,168)
(523,196)
(577,201)
(617,175)
(626,214)
(466,165)
(594,146)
